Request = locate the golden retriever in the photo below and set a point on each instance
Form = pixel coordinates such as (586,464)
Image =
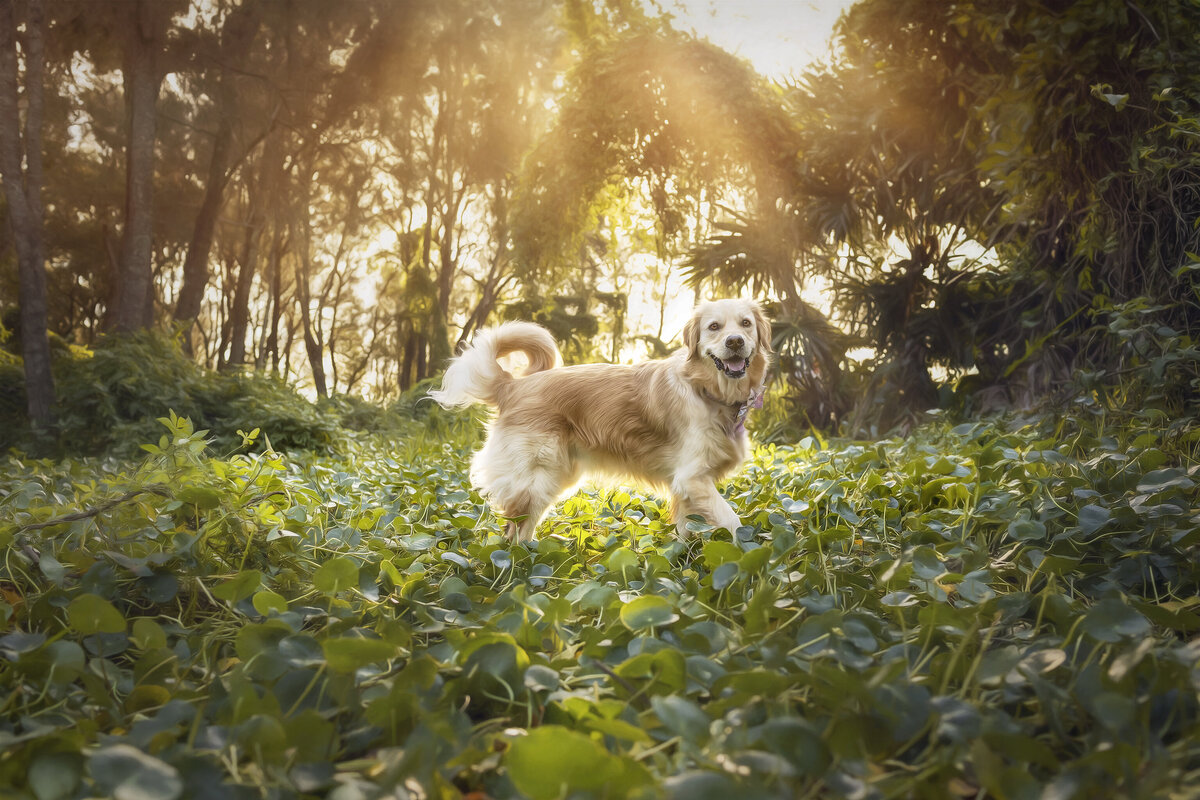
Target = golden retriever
(676,424)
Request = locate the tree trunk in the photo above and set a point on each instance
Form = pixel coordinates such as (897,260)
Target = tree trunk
(133,301)
(276,299)
(422,360)
(240,312)
(24,194)
(260,196)
(408,359)
(313,346)
(195,264)
(239,31)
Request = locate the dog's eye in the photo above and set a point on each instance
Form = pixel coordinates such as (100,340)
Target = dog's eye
(745,323)
(714,326)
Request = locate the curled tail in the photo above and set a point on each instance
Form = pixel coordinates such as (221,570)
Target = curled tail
(476,377)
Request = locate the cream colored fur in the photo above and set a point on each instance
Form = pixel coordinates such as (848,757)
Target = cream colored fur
(669,423)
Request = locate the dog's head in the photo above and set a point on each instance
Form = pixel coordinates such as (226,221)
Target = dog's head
(732,336)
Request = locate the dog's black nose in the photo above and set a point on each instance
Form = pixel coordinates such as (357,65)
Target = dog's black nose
(734,342)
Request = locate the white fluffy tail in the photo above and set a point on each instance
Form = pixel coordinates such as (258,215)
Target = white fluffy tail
(476,377)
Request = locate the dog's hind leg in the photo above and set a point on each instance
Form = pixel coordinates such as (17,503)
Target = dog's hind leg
(522,476)
(526,509)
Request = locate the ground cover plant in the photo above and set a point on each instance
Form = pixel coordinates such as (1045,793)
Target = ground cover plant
(989,609)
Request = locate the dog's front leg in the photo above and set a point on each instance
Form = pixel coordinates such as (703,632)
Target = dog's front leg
(697,494)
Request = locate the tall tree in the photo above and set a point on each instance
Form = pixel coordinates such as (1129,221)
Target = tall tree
(314,346)
(238,32)
(23,191)
(142,71)
(261,194)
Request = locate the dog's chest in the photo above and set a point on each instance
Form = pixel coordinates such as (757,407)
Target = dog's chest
(726,443)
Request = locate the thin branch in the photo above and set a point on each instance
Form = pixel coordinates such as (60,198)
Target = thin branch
(96,511)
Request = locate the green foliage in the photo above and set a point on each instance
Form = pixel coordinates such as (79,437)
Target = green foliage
(109,398)
(962,227)
(1155,368)
(653,114)
(985,608)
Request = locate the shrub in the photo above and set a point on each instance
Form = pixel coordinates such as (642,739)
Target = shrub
(109,399)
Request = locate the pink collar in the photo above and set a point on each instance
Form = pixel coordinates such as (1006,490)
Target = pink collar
(739,420)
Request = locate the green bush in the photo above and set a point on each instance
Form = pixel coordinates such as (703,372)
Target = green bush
(355,413)
(109,399)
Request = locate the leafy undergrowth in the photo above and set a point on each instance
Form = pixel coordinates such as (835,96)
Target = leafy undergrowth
(977,611)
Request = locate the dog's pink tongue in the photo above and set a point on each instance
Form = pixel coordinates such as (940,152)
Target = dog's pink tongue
(735,364)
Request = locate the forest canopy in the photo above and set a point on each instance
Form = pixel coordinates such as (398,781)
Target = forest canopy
(975,204)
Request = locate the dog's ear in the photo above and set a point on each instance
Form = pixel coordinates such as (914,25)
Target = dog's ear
(762,328)
(691,336)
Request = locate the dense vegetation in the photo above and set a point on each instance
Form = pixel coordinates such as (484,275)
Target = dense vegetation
(981,609)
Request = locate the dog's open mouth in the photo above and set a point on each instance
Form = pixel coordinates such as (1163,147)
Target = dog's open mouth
(733,367)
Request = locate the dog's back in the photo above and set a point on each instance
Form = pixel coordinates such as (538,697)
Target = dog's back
(477,377)
(614,418)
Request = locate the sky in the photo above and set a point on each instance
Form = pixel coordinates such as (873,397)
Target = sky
(779,37)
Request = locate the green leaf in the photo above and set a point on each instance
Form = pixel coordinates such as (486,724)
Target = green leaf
(666,670)
(127,773)
(702,786)
(926,563)
(339,574)
(591,595)
(202,497)
(301,650)
(1027,530)
(54,775)
(974,586)
(1115,711)
(1092,518)
(647,611)
(1111,620)
(754,561)
(349,653)
(900,599)
(239,587)
(256,639)
(145,697)
(89,614)
(1163,479)
(682,717)
(724,575)
(66,660)
(618,728)
(53,569)
(495,662)
(311,735)
(267,601)
(717,552)
(620,560)
(161,587)
(541,678)
(148,634)
(551,761)
(388,568)
(262,735)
